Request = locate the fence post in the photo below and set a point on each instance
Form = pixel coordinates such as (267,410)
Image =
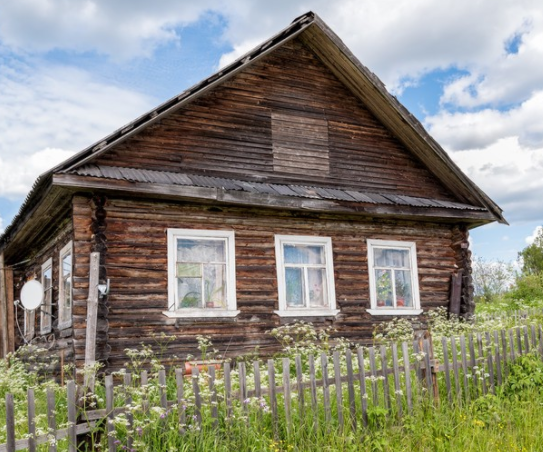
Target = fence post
(10,423)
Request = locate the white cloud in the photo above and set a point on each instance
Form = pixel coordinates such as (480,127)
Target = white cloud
(469,130)
(510,174)
(536,232)
(50,112)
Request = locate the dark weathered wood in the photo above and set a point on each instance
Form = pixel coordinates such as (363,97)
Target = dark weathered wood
(242,375)
(526,340)
(162,388)
(3,311)
(456,292)
(144,381)
(512,345)
(519,341)
(51,417)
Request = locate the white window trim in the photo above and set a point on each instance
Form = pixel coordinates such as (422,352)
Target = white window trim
(283,310)
(29,323)
(48,264)
(411,246)
(231,302)
(66,323)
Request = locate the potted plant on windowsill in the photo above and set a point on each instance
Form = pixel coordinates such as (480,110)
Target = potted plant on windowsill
(209,357)
(402,290)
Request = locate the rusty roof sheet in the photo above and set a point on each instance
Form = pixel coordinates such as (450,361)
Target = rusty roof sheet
(300,191)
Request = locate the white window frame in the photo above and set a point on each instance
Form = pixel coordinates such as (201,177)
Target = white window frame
(392,244)
(46,309)
(65,315)
(284,310)
(231,302)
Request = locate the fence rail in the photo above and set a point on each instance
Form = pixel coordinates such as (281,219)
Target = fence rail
(338,391)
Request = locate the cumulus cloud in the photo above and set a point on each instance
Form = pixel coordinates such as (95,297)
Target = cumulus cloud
(479,129)
(49,112)
(510,174)
(536,232)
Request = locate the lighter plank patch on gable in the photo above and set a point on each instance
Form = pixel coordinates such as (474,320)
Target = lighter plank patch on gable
(300,144)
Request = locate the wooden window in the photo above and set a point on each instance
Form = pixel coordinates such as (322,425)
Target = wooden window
(394,288)
(201,273)
(65,287)
(300,144)
(305,276)
(46,311)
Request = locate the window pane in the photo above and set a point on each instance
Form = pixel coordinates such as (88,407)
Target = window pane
(67,265)
(47,282)
(404,292)
(383,280)
(393,258)
(294,283)
(189,270)
(201,250)
(318,293)
(304,254)
(215,286)
(189,292)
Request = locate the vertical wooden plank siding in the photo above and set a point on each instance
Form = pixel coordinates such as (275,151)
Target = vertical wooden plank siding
(465,368)
(473,365)
(498,355)
(127,386)
(384,369)
(490,363)
(213,391)
(481,362)
(273,395)
(10,306)
(299,382)
(373,377)
(286,392)
(195,373)
(313,389)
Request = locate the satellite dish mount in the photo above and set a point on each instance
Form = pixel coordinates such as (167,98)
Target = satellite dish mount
(32,295)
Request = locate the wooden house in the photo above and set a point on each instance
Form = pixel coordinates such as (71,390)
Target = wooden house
(289,185)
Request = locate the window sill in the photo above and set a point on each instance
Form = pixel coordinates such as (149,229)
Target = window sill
(201,313)
(308,313)
(393,311)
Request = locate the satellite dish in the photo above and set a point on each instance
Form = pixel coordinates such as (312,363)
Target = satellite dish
(32,294)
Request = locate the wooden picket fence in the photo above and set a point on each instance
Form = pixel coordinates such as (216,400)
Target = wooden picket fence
(337,391)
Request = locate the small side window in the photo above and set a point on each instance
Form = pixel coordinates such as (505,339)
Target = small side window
(45,309)
(65,287)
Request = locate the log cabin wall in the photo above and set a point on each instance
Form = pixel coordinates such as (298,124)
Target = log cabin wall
(55,347)
(284,119)
(137,266)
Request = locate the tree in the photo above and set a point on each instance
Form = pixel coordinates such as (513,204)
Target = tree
(531,257)
(491,279)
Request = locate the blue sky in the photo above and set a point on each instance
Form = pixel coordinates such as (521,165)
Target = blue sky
(72,71)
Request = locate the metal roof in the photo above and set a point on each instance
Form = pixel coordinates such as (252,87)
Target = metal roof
(299,191)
